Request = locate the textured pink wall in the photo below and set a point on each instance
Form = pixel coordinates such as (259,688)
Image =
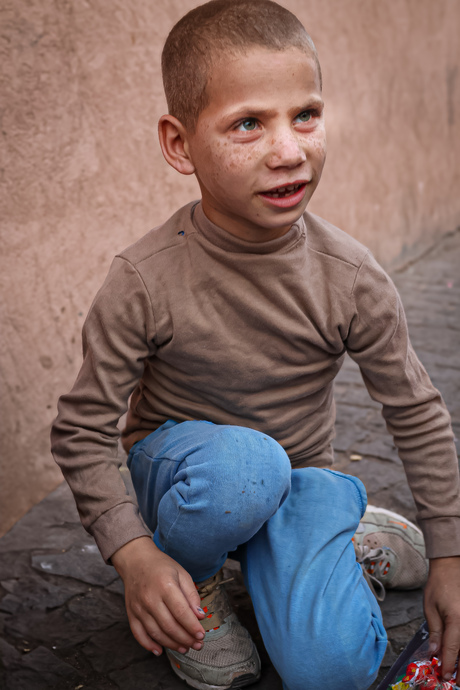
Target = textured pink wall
(81,174)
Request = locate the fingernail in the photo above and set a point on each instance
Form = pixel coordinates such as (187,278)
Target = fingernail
(200,636)
(156,652)
(197,646)
(432,648)
(199,609)
(182,650)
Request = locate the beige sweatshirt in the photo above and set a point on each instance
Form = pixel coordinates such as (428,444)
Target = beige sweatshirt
(198,324)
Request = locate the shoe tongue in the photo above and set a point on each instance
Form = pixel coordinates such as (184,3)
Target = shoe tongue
(214,602)
(209,583)
(373,553)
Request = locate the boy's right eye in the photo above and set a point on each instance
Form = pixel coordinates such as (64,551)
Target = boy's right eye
(248,125)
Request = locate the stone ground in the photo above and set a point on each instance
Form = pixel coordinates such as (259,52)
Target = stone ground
(62,618)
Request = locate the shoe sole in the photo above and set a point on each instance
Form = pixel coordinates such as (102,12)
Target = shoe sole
(243,681)
(396,516)
(240,682)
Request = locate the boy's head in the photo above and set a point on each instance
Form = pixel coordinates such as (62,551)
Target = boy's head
(243,86)
(217,31)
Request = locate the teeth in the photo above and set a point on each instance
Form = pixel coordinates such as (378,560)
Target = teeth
(280,191)
(288,188)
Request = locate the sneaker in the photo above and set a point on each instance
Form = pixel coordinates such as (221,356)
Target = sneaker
(391,551)
(228,658)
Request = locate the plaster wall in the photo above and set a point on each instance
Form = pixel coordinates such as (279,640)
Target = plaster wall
(82,176)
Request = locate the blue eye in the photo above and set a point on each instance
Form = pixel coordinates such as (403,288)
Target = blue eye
(305,116)
(248,125)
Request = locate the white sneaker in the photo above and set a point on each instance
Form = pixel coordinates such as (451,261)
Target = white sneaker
(228,658)
(391,550)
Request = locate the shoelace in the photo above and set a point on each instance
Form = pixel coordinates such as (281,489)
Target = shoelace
(376,561)
(216,615)
(208,589)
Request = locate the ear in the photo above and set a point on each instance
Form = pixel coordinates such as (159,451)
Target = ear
(174,144)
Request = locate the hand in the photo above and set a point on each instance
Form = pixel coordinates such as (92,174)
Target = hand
(442,611)
(162,603)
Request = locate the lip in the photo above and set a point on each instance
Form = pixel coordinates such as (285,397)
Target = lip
(285,201)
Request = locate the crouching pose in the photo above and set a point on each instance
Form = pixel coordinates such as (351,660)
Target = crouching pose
(225,328)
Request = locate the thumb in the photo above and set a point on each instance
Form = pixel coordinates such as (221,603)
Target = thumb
(190,593)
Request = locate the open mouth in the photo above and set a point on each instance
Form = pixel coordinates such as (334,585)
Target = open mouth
(282,192)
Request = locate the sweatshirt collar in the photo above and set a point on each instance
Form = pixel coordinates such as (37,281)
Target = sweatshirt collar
(225,240)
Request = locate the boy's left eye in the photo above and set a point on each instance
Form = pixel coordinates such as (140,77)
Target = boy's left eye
(248,125)
(304,116)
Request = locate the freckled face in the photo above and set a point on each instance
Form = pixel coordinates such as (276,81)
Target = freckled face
(259,146)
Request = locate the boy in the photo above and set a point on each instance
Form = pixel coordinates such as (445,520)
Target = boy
(228,325)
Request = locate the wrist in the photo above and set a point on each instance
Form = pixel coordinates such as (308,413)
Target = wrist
(444,560)
(124,557)
(445,563)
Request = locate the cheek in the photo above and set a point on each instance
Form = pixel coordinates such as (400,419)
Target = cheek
(318,148)
(235,158)
(224,166)
(233,163)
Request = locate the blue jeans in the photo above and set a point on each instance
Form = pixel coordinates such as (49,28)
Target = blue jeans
(206,490)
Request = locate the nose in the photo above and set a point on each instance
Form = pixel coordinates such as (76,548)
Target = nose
(285,150)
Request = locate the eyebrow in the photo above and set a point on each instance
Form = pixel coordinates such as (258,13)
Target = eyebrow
(258,112)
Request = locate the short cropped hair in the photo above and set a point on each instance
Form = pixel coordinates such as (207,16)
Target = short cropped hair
(219,29)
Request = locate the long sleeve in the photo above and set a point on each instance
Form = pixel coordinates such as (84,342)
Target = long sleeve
(247,334)
(118,336)
(413,409)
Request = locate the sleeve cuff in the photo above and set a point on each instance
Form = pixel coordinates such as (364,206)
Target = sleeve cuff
(442,536)
(117,527)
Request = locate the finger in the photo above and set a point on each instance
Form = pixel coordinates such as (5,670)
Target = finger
(450,649)
(176,618)
(149,631)
(169,621)
(435,642)
(435,626)
(191,594)
(163,632)
(179,607)
(144,638)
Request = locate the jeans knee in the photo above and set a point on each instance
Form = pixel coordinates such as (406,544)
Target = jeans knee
(250,469)
(236,479)
(223,491)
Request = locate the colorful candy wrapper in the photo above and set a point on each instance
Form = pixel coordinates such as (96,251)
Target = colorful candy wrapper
(415,668)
